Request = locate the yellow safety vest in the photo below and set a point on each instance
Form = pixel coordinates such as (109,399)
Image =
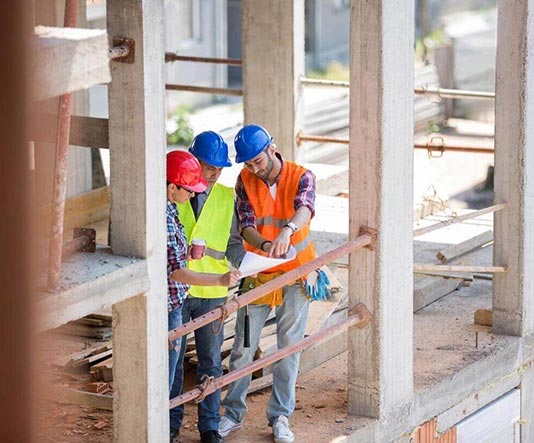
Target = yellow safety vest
(213,226)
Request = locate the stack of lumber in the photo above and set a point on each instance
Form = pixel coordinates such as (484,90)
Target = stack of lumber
(93,326)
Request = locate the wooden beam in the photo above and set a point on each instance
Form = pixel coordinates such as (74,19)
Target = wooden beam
(89,132)
(455,251)
(483,317)
(458,268)
(73,396)
(428,290)
(68,59)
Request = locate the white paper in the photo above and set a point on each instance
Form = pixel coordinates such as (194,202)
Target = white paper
(254,263)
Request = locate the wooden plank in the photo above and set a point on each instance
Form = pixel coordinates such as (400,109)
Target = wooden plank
(73,396)
(89,132)
(458,268)
(94,348)
(430,289)
(92,358)
(68,59)
(455,251)
(483,317)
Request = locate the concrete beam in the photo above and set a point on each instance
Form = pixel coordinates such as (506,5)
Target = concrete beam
(513,291)
(273,62)
(90,282)
(137,154)
(381,197)
(68,59)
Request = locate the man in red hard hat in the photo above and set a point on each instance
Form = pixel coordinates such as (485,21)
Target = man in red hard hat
(275,202)
(184,178)
(208,216)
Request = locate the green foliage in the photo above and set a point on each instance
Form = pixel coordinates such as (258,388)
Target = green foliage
(334,71)
(179,130)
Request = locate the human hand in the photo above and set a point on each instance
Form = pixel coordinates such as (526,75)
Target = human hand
(280,244)
(230,278)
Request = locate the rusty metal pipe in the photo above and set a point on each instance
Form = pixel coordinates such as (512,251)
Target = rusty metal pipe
(359,316)
(204,89)
(60,175)
(233,305)
(431,147)
(171,57)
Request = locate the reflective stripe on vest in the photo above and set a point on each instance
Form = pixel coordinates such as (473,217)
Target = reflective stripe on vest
(272,215)
(213,226)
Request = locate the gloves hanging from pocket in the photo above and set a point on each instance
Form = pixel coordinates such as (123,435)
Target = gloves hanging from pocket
(317,286)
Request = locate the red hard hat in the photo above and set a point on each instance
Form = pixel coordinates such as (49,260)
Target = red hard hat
(183,169)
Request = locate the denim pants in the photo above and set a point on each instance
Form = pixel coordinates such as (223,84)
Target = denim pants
(208,347)
(291,318)
(175,370)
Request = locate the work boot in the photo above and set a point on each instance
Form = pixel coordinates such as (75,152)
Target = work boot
(211,437)
(227,425)
(281,431)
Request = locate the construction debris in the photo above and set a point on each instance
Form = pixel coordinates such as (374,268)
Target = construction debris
(472,244)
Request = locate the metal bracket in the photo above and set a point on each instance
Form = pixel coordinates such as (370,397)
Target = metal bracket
(123,44)
(361,311)
(373,233)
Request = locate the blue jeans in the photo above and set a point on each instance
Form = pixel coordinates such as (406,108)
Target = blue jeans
(175,320)
(291,318)
(208,347)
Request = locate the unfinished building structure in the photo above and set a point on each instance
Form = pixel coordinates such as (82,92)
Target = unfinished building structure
(383,397)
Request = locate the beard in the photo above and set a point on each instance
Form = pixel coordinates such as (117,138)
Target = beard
(264,173)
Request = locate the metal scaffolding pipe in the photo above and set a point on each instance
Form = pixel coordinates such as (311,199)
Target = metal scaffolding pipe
(367,238)
(425,90)
(76,245)
(459,219)
(431,147)
(60,169)
(454,93)
(172,57)
(359,316)
(205,89)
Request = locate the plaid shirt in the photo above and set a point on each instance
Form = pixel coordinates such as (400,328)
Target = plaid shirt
(176,255)
(305,197)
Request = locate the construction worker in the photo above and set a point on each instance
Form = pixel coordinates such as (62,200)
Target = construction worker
(184,178)
(208,216)
(275,202)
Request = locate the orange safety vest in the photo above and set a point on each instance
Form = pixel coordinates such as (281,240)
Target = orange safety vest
(272,215)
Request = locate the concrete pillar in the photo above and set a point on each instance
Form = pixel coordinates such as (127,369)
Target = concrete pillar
(137,155)
(273,61)
(381,188)
(513,292)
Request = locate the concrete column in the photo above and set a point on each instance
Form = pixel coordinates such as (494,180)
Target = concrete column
(137,155)
(513,292)
(381,189)
(273,61)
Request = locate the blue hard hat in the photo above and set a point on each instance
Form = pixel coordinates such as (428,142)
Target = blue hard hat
(250,141)
(210,147)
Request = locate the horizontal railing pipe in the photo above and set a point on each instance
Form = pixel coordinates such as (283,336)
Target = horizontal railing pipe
(204,89)
(359,316)
(233,304)
(172,57)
